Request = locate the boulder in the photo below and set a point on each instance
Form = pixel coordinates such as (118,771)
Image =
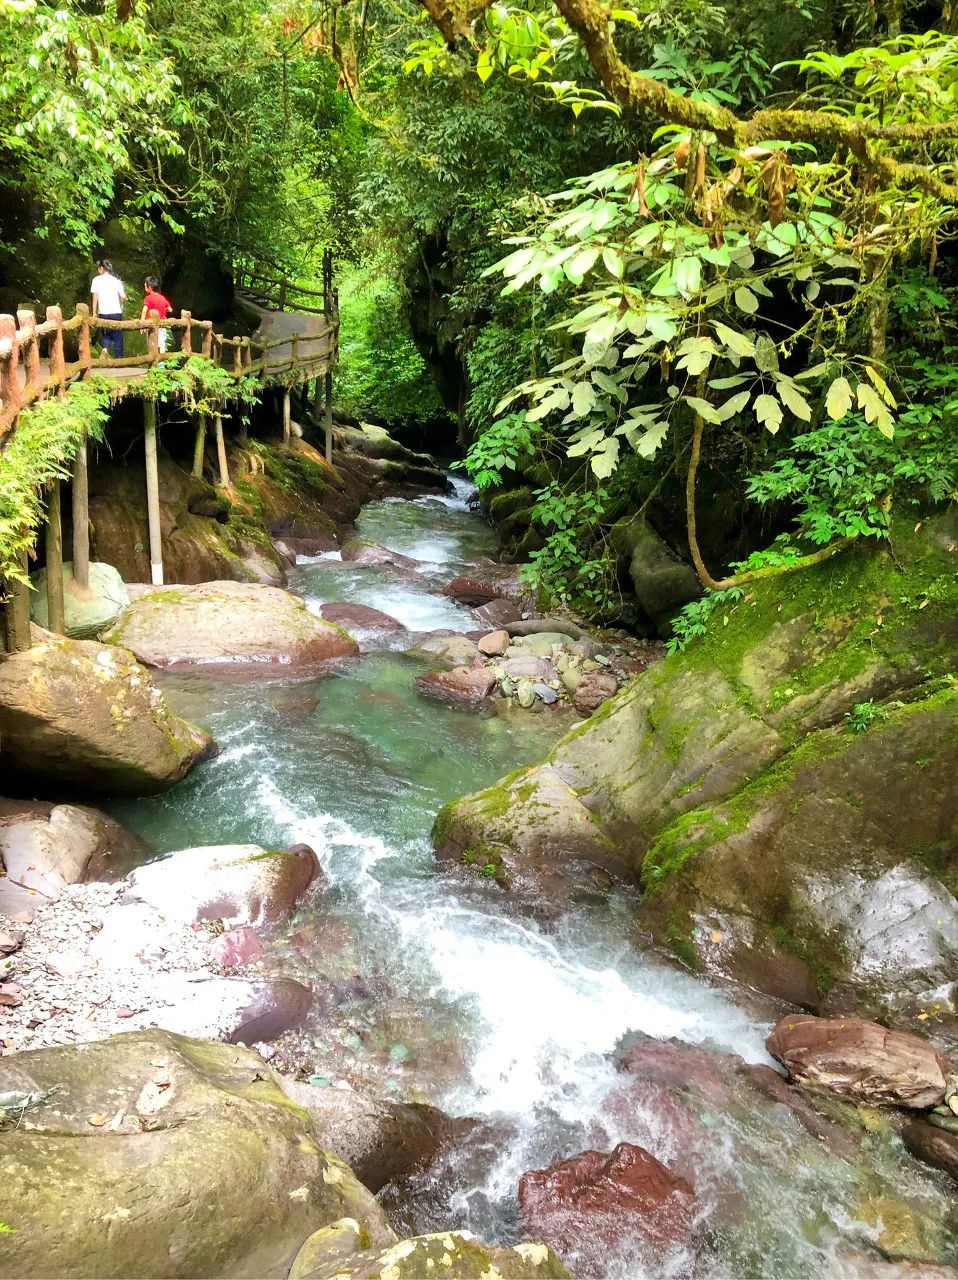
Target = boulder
(554,852)
(597,1198)
(73,712)
(359,618)
(499,611)
(860,1060)
(594,688)
(240,884)
(87,610)
(447,1255)
(45,846)
(328,1248)
(450,647)
(103,1179)
(303,537)
(494,644)
(927,1141)
(464,686)
(828,881)
(359,551)
(237,1010)
(227,622)
(469,591)
(663,584)
(380,1141)
(528,667)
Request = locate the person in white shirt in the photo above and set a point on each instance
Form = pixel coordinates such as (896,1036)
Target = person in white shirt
(108,297)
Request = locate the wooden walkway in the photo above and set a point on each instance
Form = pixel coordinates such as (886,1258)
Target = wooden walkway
(39,360)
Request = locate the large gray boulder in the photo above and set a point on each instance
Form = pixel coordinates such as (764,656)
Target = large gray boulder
(87,610)
(240,884)
(153,1155)
(227,622)
(45,846)
(78,713)
(663,584)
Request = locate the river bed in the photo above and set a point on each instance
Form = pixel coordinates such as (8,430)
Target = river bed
(437,992)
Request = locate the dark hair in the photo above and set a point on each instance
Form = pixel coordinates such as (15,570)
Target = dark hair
(151,282)
(107,265)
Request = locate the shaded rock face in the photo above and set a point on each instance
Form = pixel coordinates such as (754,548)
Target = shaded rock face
(663,584)
(380,1141)
(499,612)
(457,1255)
(87,611)
(227,622)
(240,884)
(77,713)
(463,687)
(860,1060)
(592,690)
(44,847)
(807,887)
(359,551)
(598,1196)
(936,1146)
(132,1122)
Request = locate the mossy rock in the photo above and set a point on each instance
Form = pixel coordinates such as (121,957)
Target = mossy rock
(159,1155)
(446,1255)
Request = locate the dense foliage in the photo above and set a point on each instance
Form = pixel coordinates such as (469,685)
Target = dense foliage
(689,261)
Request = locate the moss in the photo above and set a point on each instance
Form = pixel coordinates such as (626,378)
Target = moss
(681,942)
(681,840)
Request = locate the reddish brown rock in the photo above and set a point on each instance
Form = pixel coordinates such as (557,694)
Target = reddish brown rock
(359,617)
(236,948)
(860,1060)
(494,644)
(934,1145)
(595,1194)
(470,591)
(594,688)
(463,687)
(499,612)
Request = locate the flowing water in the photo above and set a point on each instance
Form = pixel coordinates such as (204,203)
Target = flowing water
(435,991)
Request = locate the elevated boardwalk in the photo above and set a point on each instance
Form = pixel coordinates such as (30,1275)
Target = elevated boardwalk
(40,360)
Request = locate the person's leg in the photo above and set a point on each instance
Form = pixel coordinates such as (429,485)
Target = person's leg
(112,338)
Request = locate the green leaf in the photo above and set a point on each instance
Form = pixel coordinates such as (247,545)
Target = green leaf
(583,399)
(613,262)
(746,300)
(583,261)
(738,343)
(838,400)
(650,442)
(604,460)
(766,354)
(882,385)
(769,413)
(726,384)
(733,405)
(875,409)
(792,398)
(702,408)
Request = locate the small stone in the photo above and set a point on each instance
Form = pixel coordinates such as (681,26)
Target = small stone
(526,693)
(124,1013)
(545,693)
(97,1120)
(494,644)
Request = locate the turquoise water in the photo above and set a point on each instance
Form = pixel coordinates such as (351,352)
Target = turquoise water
(428,986)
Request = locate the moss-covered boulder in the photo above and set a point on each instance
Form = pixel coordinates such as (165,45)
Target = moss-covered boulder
(447,1255)
(87,610)
(794,655)
(830,879)
(77,713)
(154,1155)
(227,622)
(663,584)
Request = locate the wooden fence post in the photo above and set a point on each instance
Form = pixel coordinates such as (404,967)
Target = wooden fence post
(199,447)
(10,384)
(152,493)
(207,349)
(318,399)
(221,451)
(328,416)
(186,346)
(18,610)
(328,389)
(287,424)
(81,519)
(153,340)
(58,364)
(86,358)
(30,343)
(56,619)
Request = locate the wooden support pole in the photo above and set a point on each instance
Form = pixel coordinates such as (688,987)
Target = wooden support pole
(81,519)
(58,366)
(207,348)
(186,346)
(10,375)
(152,493)
(221,451)
(18,611)
(317,399)
(199,448)
(86,358)
(328,416)
(287,425)
(56,618)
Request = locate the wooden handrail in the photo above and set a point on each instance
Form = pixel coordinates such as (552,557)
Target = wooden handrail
(25,376)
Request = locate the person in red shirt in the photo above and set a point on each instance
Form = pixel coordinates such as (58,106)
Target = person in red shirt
(154,303)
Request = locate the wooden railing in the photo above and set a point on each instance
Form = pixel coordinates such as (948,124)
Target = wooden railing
(279,293)
(34,358)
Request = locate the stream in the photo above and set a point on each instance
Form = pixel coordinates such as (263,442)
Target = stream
(435,992)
